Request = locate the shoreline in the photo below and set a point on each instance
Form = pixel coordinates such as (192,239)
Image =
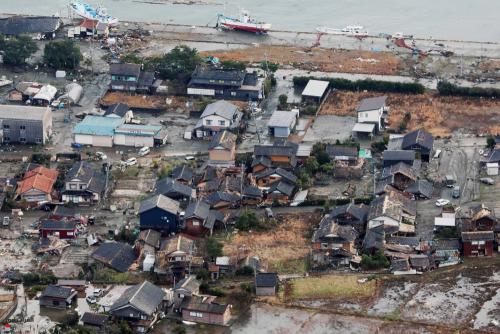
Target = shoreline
(272,31)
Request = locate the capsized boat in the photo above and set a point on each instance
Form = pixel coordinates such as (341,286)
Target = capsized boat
(243,23)
(87,11)
(352,30)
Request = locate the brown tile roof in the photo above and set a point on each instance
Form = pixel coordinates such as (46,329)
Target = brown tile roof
(40,178)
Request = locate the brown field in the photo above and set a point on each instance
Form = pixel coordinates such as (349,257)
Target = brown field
(440,115)
(134,101)
(317,59)
(332,287)
(287,242)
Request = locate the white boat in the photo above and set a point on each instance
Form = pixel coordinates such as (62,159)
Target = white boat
(87,11)
(243,23)
(353,30)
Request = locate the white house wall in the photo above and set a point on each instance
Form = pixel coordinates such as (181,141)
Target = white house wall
(370,116)
(215,121)
(134,141)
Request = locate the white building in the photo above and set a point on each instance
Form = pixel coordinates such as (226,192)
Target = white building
(282,123)
(372,111)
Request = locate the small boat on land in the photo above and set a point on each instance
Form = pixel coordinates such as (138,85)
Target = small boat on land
(243,23)
(352,30)
(98,14)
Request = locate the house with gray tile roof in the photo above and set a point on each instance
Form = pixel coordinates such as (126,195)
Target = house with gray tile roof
(140,306)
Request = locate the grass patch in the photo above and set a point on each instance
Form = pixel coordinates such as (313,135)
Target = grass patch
(289,266)
(332,287)
(110,276)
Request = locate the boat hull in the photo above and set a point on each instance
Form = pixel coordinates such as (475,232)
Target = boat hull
(240,26)
(79,10)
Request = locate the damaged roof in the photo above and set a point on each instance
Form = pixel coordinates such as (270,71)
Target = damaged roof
(117,255)
(224,139)
(421,187)
(160,201)
(18,25)
(168,186)
(418,137)
(329,229)
(360,213)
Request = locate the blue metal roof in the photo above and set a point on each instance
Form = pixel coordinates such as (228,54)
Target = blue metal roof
(97,125)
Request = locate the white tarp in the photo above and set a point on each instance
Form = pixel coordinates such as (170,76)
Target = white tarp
(73,92)
(46,93)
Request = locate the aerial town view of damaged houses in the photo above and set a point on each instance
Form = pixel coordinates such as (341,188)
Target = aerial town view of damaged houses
(241,178)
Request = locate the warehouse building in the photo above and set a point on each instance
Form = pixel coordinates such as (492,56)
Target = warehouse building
(25,124)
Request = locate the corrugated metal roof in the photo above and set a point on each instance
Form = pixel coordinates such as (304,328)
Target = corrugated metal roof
(363,127)
(315,88)
(97,125)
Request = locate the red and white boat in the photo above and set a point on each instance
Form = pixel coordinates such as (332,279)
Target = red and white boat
(243,23)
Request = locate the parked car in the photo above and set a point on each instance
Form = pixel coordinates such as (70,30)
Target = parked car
(91,299)
(189,158)
(101,155)
(76,145)
(449,181)
(130,162)
(455,193)
(98,292)
(487,180)
(442,202)
(144,151)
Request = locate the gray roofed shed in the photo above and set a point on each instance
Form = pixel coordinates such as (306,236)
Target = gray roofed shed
(160,201)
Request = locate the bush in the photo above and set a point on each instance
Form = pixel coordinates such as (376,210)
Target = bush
(376,261)
(41,158)
(244,271)
(179,329)
(283,99)
(248,221)
(63,54)
(366,84)
(202,274)
(213,247)
(378,147)
(233,65)
(490,142)
(30,279)
(447,89)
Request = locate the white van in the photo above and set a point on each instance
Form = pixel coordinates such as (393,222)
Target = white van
(144,151)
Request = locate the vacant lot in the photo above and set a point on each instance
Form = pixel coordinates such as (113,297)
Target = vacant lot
(284,247)
(332,287)
(440,115)
(134,101)
(318,59)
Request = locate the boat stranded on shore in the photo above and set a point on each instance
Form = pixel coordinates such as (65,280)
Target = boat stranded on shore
(87,11)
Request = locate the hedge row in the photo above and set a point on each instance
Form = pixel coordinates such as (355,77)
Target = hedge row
(448,89)
(367,84)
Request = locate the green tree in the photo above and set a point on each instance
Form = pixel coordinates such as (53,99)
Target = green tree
(233,65)
(269,67)
(213,247)
(283,99)
(376,261)
(178,64)
(63,54)
(247,221)
(490,142)
(17,50)
(311,165)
